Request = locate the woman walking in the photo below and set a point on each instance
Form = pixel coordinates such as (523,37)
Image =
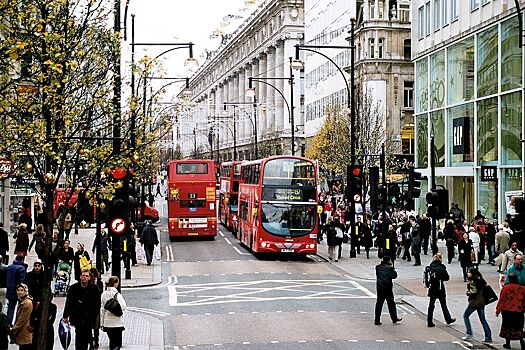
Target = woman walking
(476,303)
(22,240)
(465,255)
(449,234)
(76,261)
(510,305)
(21,329)
(39,242)
(111,324)
(331,239)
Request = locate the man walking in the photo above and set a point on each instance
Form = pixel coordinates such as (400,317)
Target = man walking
(81,310)
(425,228)
(16,274)
(509,255)
(517,269)
(385,273)
(35,281)
(415,244)
(435,276)
(149,239)
(407,239)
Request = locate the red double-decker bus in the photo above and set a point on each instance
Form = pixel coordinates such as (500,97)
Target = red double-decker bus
(230,173)
(278,205)
(191,198)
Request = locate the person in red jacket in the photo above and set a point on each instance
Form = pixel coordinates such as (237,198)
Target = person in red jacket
(510,304)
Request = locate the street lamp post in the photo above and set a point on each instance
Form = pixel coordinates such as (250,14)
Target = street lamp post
(298,64)
(254,122)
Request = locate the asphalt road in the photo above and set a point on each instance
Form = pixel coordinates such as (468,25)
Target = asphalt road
(217,295)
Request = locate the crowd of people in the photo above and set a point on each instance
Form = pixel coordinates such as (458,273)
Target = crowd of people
(85,299)
(407,236)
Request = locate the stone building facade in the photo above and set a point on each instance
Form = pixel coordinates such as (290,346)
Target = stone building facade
(218,116)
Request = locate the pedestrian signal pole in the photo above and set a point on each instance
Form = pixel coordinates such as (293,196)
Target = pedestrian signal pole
(433,189)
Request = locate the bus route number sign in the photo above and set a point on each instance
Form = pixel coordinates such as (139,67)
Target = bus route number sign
(192,195)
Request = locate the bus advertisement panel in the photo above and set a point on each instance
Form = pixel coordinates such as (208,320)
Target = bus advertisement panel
(191,198)
(228,194)
(278,205)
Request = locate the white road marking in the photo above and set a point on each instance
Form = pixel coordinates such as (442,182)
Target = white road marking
(404,308)
(222,234)
(241,253)
(363,289)
(352,340)
(172,292)
(405,341)
(167,253)
(380,341)
(227,240)
(147,311)
(432,342)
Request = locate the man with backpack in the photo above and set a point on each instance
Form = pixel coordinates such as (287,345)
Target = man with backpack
(434,277)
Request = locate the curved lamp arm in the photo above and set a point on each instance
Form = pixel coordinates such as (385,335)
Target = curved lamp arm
(250,79)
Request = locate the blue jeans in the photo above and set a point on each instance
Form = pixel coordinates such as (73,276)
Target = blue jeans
(11,303)
(481,315)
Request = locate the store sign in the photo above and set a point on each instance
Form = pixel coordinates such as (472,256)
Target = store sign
(6,167)
(460,135)
(489,173)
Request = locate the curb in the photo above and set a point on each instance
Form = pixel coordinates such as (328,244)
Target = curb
(142,285)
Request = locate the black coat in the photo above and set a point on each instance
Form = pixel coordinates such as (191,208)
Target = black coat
(35,283)
(385,274)
(465,250)
(66,256)
(149,236)
(82,305)
(76,262)
(4,242)
(331,239)
(438,289)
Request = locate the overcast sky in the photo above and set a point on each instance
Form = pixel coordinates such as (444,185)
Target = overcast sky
(181,21)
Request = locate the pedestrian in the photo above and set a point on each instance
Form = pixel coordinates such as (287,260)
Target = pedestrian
(490,233)
(132,244)
(367,239)
(474,237)
(391,243)
(475,286)
(39,241)
(331,239)
(22,240)
(502,245)
(510,305)
(425,228)
(112,324)
(400,246)
(25,218)
(465,255)
(22,328)
(103,243)
(517,269)
(36,281)
(5,329)
(158,191)
(415,243)
(407,239)
(51,317)
(81,309)
(385,273)
(81,252)
(4,244)
(149,239)
(65,253)
(16,274)
(449,234)
(435,277)
(509,256)
(96,281)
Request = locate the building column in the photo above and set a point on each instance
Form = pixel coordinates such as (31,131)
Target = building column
(243,134)
(280,113)
(263,97)
(270,92)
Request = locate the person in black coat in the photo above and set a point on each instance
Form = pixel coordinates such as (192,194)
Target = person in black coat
(437,290)
(449,234)
(149,239)
(465,252)
(331,240)
(35,281)
(4,244)
(385,273)
(366,237)
(415,244)
(407,239)
(25,218)
(425,228)
(76,260)
(81,309)
(65,253)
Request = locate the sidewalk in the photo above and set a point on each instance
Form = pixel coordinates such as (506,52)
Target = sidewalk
(142,331)
(411,278)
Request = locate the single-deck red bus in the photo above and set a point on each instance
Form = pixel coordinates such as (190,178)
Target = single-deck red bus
(230,173)
(278,205)
(191,198)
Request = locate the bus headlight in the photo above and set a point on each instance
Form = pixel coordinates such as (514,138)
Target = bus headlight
(265,244)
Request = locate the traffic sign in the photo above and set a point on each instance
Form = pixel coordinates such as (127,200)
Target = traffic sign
(118,225)
(6,167)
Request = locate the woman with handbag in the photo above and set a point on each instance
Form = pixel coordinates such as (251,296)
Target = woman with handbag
(81,260)
(465,255)
(510,305)
(476,302)
(111,319)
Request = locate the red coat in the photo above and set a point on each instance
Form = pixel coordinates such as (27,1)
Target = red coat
(511,298)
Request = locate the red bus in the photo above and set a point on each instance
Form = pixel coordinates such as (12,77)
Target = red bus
(278,205)
(230,173)
(191,198)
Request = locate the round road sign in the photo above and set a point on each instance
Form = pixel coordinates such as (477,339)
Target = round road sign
(118,225)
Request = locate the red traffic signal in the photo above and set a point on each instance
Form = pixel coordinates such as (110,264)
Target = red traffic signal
(356,171)
(119,173)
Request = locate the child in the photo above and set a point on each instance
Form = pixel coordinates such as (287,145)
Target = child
(4,330)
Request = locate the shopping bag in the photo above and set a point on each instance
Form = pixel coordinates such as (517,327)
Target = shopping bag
(140,253)
(84,263)
(64,333)
(489,296)
(156,253)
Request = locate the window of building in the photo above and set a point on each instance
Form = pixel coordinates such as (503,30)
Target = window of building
(487,131)
(453,10)
(408,94)
(460,71)
(437,120)
(510,55)
(484,2)
(437,79)
(437,17)
(444,14)
(511,129)
(404,13)
(474,4)
(371,48)
(427,18)
(461,135)
(380,9)
(422,85)
(422,140)
(380,47)
(421,22)
(407,49)
(372,9)
(488,62)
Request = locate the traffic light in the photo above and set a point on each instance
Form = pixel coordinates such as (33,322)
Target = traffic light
(375,203)
(437,201)
(382,197)
(354,176)
(393,195)
(414,184)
